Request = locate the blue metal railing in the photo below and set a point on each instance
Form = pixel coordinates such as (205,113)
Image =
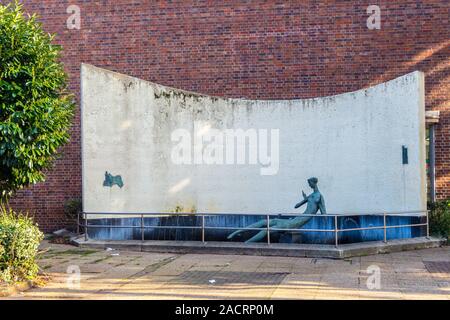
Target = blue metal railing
(336,230)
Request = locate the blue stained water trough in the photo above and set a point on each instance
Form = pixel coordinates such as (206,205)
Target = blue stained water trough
(121,230)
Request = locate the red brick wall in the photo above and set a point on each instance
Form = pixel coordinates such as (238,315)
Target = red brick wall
(252,49)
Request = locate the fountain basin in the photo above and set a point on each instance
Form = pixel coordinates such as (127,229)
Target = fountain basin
(187,227)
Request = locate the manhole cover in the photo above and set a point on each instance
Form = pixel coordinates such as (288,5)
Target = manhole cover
(437,266)
(230,277)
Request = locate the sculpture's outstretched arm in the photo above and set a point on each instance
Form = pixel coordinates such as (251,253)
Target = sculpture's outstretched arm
(298,205)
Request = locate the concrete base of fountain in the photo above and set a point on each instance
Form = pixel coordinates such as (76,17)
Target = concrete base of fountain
(263,249)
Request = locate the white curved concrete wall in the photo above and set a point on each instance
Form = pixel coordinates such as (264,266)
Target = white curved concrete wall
(351,142)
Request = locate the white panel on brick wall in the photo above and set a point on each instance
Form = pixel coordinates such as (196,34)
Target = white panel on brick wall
(168,150)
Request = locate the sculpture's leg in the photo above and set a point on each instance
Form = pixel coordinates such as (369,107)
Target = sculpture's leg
(259,236)
(297,222)
(259,224)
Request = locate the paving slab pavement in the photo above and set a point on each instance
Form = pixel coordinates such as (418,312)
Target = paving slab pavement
(119,274)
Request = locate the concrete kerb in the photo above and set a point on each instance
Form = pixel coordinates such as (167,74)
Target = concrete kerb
(261,249)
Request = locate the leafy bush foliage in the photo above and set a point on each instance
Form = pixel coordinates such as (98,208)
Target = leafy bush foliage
(19,241)
(35,109)
(440,218)
(72,209)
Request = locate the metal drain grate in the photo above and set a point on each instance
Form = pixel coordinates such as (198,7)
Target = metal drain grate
(437,266)
(230,277)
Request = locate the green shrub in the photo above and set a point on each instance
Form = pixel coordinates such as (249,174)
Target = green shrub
(440,218)
(19,241)
(35,108)
(72,209)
